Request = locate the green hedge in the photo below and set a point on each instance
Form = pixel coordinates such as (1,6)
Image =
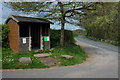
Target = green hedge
(55,37)
(4,32)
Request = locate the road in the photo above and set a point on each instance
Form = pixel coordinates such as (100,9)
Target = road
(97,44)
(102,63)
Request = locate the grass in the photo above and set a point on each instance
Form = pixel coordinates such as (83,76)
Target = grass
(78,55)
(10,59)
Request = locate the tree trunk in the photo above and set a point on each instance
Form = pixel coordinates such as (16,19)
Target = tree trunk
(62,23)
(62,33)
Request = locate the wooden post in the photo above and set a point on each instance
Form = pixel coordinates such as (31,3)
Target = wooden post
(49,35)
(29,38)
(18,37)
(41,41)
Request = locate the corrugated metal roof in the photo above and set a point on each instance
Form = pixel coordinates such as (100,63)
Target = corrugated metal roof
(28,19)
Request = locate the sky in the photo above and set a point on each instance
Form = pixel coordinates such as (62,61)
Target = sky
(6,12)
(0,14)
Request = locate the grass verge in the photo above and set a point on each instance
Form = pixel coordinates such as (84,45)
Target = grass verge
(10,59)
(78,55)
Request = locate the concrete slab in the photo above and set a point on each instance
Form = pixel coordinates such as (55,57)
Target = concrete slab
(42,55)
(49,61)
(25,60)
(67,56)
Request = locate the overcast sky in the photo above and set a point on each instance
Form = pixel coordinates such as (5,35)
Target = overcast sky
(1,13)
(8,12)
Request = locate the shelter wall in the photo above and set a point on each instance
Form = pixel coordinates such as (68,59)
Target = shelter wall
(13,35)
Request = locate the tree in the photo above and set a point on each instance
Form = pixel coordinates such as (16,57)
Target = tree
(61,12)
(102,23)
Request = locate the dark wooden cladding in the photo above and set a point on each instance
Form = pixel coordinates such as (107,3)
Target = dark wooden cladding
(13,35)
(45,29)
(24,29)
(35,34)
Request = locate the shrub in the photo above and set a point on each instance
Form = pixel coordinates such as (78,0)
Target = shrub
(4,31)
(69,39)
(55,37)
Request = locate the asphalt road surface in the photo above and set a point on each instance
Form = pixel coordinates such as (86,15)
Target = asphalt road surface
(102,63)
